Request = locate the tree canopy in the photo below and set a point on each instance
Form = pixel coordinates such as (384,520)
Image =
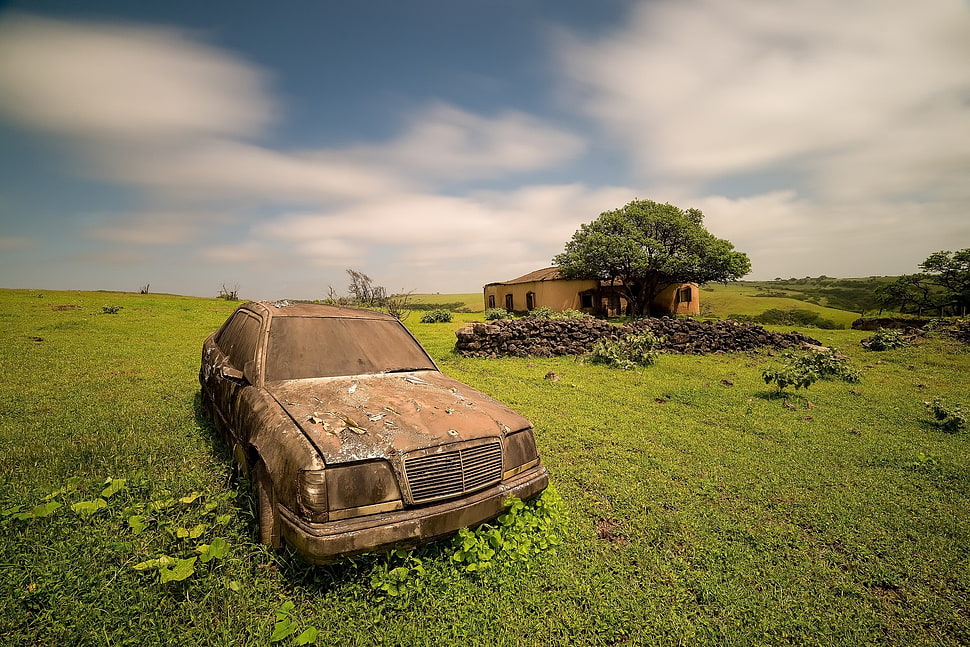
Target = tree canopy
(647,246)
(943,286)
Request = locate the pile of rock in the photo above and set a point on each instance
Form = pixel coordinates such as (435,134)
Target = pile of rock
(555,337)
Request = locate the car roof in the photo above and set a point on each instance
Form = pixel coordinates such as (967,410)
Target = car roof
(300,309)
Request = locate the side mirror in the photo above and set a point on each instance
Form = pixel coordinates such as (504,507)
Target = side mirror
(249,371)
(231,373)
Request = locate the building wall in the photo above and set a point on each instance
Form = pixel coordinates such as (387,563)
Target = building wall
(680,299)
(558,295)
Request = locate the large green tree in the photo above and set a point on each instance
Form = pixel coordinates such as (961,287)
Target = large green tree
(943,285)
(647,246)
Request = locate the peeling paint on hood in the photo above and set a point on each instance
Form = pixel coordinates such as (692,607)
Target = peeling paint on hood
(385,415)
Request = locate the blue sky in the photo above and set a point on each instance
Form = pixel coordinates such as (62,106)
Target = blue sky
(438,146)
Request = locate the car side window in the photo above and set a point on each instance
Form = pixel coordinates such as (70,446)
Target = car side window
(239,338)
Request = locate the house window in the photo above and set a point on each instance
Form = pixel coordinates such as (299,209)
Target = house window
(530,301)
(585,299)
(491,301)
(685,295)
(508,302)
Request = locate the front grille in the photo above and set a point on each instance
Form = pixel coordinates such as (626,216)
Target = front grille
(453,473)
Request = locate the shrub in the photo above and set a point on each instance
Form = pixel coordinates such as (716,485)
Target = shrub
(542,312)
(436,316)
(951,419)
(802,369)
(628,352)
(110,310)
(884,339)
(497,313)
(570,313)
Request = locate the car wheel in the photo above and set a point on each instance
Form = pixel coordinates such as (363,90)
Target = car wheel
(267,513)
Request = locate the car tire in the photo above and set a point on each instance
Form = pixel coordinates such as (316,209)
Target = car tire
(267,513)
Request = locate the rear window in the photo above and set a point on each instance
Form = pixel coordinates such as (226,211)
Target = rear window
(304,347)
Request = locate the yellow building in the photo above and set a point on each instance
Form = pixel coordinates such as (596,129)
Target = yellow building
(546,287)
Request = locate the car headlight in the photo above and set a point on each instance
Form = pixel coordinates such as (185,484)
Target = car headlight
(344,491)
(520,453)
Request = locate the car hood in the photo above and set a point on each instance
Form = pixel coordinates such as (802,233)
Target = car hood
(382,416)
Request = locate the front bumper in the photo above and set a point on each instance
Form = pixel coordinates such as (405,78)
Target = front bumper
(320,543)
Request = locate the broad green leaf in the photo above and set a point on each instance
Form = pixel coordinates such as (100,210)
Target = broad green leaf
(163,503)
(88,508)
(308,636)
(197,531)
(223,519)
(235,586)
(137,524)
(285,609)
(282,629)
(216,550)
(42,510)
(114,486)
(158,563)
(190,498)
(182,569)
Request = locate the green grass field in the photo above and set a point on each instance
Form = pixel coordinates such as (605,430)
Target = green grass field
(700,509)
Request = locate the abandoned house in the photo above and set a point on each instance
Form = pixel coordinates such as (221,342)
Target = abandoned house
(546,287)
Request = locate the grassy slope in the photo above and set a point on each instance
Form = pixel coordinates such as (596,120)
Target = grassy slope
(743,299)
(472,300)
(738,520)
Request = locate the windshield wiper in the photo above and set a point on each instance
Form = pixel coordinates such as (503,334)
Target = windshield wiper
(406,370)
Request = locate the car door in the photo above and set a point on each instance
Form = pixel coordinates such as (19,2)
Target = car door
(237,344)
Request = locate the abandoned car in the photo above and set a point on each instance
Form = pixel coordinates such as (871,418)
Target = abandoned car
(353,437)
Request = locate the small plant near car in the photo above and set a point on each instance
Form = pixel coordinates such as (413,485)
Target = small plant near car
(110,310)
(287,624)
(949,418)
(522,532)
(401,573)
(439,315)
(493,314)
(628,352)
(884,339)
(801,369)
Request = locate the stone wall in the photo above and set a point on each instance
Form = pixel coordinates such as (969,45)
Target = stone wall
(530,337)
(875,323)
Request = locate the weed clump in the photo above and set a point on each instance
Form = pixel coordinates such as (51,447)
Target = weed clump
(628,352)
(439,315)
(804,368)
(110,310)
(948,418)
(884,339)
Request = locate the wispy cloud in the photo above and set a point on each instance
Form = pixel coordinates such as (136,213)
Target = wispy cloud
(707,89)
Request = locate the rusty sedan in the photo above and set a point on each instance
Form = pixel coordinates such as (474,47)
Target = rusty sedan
(353,437)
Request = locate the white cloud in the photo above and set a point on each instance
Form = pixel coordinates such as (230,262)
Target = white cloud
(709,88)
(105,80)
(11,243)
(149,228)
(446,142)
(488,236)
